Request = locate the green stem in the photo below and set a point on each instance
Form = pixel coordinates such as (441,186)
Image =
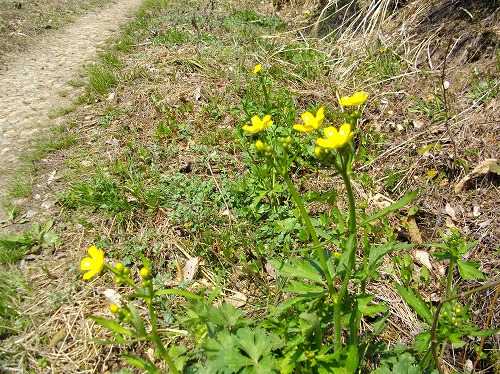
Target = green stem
(154,333)
(449,282)
(266,96)
(351,247)
(312,232)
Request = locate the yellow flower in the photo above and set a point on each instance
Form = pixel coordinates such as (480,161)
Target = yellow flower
(257,68)
(258,124)
(311,122)
(335,139)
(357,98)
(94,264)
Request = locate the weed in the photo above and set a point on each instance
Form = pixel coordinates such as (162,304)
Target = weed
(14,246)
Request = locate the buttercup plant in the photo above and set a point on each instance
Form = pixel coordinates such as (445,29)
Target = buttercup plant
(315,328)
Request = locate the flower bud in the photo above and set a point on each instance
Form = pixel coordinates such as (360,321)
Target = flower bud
(144,272)
(113,308)
(119,266)
(118,280)
(260,146)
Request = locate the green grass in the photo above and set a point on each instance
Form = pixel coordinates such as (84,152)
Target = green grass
(14,287)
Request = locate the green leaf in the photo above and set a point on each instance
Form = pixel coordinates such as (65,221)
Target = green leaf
(225,315)
(305,289)
(469,270)
(174,291)
(415,301)
(136,320)
(141,364)
(113,326)
(298,269)
(366,309)
(397,205)
(425,148)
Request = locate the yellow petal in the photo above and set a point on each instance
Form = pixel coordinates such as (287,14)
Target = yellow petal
(96,253)
(331,132)
(302,128)
(89,274)
(320,116)
(257,68)
(357,98)
(86,264)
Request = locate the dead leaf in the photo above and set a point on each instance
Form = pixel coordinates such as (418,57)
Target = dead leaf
(380,201)
(423,258)
(413,230)
(237,299)
(450,211)
(460,185)
(112,296)
(476,212)
(484,167)
(449,223)
(270,270)
(190,268)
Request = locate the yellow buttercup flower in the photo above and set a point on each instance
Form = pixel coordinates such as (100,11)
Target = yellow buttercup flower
(257,68)
(357,98)
(311,122)
(336,139)
(94,264)
(258,124)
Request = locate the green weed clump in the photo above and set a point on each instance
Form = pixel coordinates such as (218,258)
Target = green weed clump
(325,318)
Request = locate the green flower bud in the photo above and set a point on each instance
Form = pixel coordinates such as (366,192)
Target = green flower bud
(119,266)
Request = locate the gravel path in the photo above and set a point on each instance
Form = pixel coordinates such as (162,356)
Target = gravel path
(32,85)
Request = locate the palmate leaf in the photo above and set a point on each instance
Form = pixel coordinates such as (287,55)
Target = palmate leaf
(469,270)
(366,309)
(249,351)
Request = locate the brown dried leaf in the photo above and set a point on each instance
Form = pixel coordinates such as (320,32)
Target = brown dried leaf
(190,268)
(414,231)
(237,299)
(450,211)
(484,167)
(423,258)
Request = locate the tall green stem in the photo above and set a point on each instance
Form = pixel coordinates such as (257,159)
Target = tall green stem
(312,232)
(351,247)
(154,333)
(266,96)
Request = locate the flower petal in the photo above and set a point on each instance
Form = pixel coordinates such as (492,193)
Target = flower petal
(86,263)
(96,253)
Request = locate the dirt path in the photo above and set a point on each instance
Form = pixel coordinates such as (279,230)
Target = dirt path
(31,87)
